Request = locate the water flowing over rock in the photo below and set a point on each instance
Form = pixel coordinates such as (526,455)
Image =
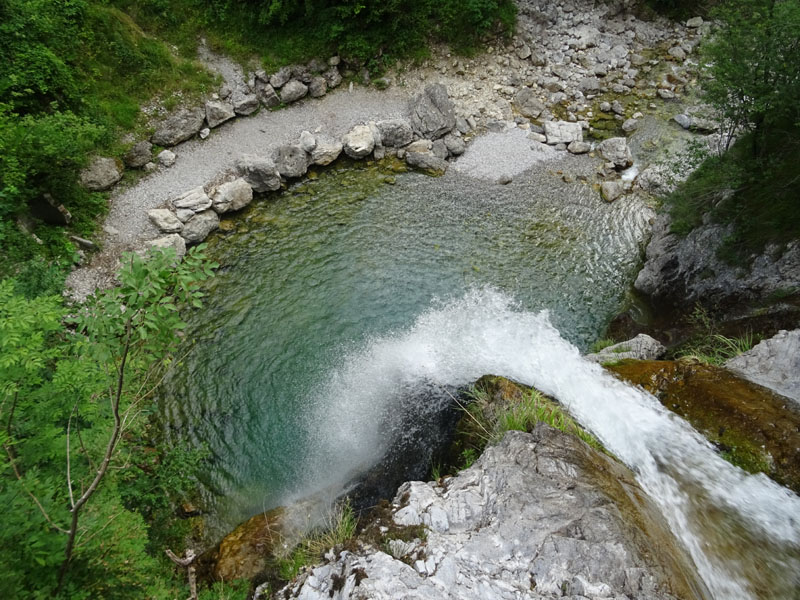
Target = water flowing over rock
(199,226)
(505,528)
(179,127)
(773,363)
(101,174)
(433,112)
(260,172)
(291,160)
(232,195)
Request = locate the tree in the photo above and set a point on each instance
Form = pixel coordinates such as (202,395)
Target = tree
(755,67)
(68,395)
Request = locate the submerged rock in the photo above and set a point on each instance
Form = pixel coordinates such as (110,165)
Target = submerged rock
(540,515)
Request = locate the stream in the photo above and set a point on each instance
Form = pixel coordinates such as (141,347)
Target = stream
(342,298)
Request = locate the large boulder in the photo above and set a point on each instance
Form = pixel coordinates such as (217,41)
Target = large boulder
(293,91)
(260,172)
(433,112)
(291,160)
(101,174)
(528,104)
(232,195)
(359,142)
(195,200)
(199,226)
(179,127)
(165,220)
(539,515)
(773,363)
(139,155)
(326,150)
(562,132)
(616,150)
(395,133)
(318,87)
(217,112)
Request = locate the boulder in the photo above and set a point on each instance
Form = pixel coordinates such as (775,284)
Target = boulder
(179,127)
(579,147)
(281,77)
(139,155)
(359,142)
(332,77)
(217,112)
(611,190)
(199,226)
(427,162)
(642,347)
(173,240)
(589,85)
(395,133)
(101,174)
(259,172)
(232,195)
(455,145)
(165,220)
(266,94)
(166,158)
(528,104)
(307,141)
(616,150)
(630,125)
(195,200)
(291,160)
(293,91)
(326,150)
(773,363)
(694,22)
(432,112)
(244,103)
(562,132)
(539,515)
(318,87)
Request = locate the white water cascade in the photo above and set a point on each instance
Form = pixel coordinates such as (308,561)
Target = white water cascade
(742,531)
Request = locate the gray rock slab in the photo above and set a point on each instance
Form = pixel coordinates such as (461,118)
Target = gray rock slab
(260,172)
(101,174)
(199,226)
(433,112)
(642,347)
(562,132)
(179,127)
(232,195)
(773,363)
(217,112)
(195,199)
(291,160)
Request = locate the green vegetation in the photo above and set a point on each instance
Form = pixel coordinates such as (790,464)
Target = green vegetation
(708,345)
(598,345)
(339,529)
(76,477)
(753,82)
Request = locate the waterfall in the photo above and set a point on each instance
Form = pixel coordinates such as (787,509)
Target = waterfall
(742,531)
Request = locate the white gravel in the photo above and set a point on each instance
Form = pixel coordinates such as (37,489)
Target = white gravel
(503,156)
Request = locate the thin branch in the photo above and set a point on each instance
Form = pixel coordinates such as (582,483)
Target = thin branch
(69,472)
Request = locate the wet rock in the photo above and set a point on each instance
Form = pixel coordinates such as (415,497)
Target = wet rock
(165,220)
(433,112)
(642,347)
(259,172)
(232,195)
(291,160)
(528,104)
(359,142)
(293,91)
(266,94)
(166,158)
(217,112)
(616,150)
(326,150)
(174,241)
(139,155)
(427,162)
(101,174)
(395,133)
(195,199)
(506,527)
(179,127)
(199,226)
(773,363)
(562,132)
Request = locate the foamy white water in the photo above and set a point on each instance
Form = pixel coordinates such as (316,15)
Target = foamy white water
(742,531)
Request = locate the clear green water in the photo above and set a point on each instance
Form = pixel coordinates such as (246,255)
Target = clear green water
(313,276)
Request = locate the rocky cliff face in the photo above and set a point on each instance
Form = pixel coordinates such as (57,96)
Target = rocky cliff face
(539,515)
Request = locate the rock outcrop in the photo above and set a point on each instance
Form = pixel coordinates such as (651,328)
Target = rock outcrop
(540,515)
(773,363)
(642,347)
(433,112)
(179,127)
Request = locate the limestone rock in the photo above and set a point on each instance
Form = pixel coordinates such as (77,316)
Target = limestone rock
(694,22)
(307,141)
(773,363)
(332,77)
(232,195)
(266,94)
(642,347)
(291,160)
(195,200)
(454,144)
(199,226)
(101,174)
(326,150)
(173,240)
(293,91)
(395,133)
(611,190)
(218,112)
(359,142)
(259,172)
(528,104)
(318,87)
(616,150)
(579,147)
(562,132)
(538,516)
(166,158)
(179,127)
(165,220)
(139,155)
(281,77)
(427,161)
(244,103)
(433,112)
(630,125)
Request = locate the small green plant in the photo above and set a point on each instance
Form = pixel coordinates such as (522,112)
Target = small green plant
(710,347)
(468,458)
(600,344)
